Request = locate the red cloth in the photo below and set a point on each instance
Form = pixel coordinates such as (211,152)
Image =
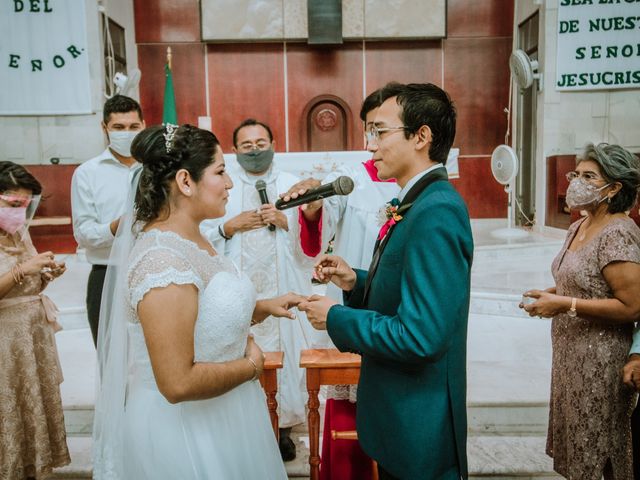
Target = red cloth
(311,231)
(342,459)
(310,234)
(373,172)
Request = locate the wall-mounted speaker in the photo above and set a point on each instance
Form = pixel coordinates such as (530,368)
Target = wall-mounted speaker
(325,22)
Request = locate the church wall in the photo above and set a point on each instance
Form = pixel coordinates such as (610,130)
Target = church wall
(275,81)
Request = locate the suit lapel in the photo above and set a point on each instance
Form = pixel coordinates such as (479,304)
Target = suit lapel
(439,174)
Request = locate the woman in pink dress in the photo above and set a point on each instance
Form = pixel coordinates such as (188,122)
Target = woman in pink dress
(593,305)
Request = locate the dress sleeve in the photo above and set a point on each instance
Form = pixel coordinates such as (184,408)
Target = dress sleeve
(159,268)
(619,243)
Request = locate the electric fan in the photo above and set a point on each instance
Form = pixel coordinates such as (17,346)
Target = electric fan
(504,166)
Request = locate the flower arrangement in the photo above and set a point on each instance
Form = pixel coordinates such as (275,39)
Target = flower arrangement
(392,216)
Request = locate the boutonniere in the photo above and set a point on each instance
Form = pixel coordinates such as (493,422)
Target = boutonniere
(391,214)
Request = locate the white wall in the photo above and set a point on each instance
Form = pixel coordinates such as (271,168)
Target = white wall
(567,121)
(72,138)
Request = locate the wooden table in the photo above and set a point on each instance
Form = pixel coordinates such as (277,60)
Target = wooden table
(325,367)
(269,381)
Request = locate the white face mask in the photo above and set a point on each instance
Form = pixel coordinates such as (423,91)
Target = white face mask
(120,141)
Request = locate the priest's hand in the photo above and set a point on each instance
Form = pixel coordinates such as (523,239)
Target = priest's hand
(243,222)
(271,216)
(331,268)
(310,210)
(317,308)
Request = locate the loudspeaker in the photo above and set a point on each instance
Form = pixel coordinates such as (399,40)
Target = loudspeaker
(325,22)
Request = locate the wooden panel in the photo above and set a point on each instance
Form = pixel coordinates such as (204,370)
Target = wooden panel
(480,18)
(404,62)
(56,202)
(326,128)
(158,21)
(316,71)
(245,81)
(557,212)
(485,198)
(476,75)
(188,81)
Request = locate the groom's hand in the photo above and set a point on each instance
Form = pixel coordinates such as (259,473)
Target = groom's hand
(331,268)
(317,308)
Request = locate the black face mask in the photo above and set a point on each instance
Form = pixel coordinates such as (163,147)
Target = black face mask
(256,161)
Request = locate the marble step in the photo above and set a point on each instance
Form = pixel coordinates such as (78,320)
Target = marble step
(523,419)
(547,248)
(490,457)
(81,466)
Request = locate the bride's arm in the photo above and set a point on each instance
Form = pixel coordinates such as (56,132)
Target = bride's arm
(168,316)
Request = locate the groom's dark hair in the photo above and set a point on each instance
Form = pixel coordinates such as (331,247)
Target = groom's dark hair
(426,104)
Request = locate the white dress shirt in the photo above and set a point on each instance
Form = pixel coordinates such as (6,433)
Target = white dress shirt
(415,179)
(99,190)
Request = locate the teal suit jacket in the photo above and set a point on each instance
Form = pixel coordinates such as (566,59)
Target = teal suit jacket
(412,335)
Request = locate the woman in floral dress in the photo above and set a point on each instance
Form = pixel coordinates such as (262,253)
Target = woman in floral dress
(32,433)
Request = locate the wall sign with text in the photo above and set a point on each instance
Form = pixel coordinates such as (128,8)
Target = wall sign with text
(44,63)
(598,44)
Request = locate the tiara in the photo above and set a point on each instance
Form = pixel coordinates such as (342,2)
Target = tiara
(170,131)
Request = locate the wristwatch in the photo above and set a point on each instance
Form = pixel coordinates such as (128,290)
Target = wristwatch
(572,311)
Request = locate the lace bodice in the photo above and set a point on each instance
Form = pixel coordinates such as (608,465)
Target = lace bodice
(226,298)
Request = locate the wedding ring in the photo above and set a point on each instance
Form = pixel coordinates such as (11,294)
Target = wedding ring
(46,270)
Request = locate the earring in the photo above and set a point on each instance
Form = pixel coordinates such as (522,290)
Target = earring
(188,190)
(609,200)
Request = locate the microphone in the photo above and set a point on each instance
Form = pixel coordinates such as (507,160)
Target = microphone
(340,186)
(261,186)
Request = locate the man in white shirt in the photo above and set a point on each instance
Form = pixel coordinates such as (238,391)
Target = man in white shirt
(263,243)
(99,189)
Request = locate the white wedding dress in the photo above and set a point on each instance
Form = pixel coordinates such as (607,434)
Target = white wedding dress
(224,438)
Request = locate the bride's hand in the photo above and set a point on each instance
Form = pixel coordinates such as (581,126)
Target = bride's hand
(282,304)
(255,356)
(277,307)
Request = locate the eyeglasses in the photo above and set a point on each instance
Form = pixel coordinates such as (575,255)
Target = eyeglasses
(248,146)
(374,132)
(588,176)
(16,201)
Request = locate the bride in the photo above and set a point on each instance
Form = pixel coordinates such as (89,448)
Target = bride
(178,396)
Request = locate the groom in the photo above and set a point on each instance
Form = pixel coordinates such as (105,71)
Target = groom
(407,316)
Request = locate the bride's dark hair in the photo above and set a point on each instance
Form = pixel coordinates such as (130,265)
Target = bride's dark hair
(162,153)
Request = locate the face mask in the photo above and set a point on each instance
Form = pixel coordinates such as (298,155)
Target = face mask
(582,195)
(120,142)
(256,161)
(12,218)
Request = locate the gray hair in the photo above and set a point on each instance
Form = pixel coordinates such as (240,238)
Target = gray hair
(617,165)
